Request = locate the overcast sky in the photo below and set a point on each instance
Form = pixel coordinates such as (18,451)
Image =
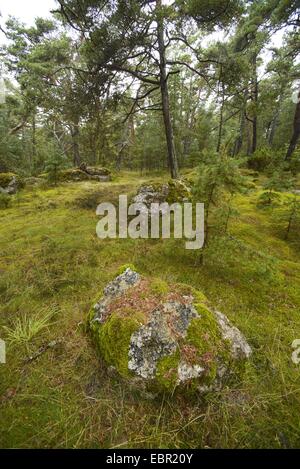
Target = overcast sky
(26,10)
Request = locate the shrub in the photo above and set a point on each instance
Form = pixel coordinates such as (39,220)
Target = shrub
(264,158)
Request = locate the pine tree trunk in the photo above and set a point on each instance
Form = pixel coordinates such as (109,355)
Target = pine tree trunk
(75,144)
(275,120)
(221,121)
(33,156)
(296,132)
(255,99)
(239,141)
(172,160)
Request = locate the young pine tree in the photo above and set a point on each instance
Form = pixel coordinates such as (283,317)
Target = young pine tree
(219,179)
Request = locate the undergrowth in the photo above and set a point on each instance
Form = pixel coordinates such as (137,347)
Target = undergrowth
(52,267)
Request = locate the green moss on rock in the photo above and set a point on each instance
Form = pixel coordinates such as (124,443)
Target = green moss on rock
(6,178)
(178,191)
(159,287)
(124,267)
(165,334)
(167,371)
(114,339)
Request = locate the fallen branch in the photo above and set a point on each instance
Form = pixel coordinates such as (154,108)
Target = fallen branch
(41,350)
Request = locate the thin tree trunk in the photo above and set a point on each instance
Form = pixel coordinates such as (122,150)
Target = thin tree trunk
(249,140)
(255,97)
(275,120)
(172,160)
(239,141)
(33,140)
(221,121)
(75,144)
(296,132)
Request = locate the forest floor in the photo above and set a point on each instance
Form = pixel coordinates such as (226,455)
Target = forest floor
(52,267)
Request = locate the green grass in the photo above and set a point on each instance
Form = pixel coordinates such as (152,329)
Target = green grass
(52,261)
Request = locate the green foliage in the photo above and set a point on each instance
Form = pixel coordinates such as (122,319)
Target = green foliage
(261,159)
(219,179)
(280,180)
(269,198)
(53,168)
(291,215)
(216,174)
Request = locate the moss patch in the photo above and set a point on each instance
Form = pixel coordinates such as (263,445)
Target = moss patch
(205,336)
(114,339)
(166,371)
(159,287)
(178,191)
(124,267)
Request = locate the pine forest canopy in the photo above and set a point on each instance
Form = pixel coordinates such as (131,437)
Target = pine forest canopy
(150,84)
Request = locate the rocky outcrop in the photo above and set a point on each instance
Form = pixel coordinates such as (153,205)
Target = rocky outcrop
(34,181)
(165,336)
(85,173)
(10,183)
(172,191)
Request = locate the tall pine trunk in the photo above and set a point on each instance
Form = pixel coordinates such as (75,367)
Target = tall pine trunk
(75,144)
(296,131)
(239,140)
(255,100)
(172,160)
(275,120)
(221,120)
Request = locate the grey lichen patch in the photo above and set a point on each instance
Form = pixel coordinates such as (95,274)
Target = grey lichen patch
(187,372)
(148,344)
(239,346)
(181,315)
(113,290)
(159,337)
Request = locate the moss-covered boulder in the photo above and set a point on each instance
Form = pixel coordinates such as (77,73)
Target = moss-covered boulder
(165,336)
(34,181)
(85,173)
(173,191)
(10,183)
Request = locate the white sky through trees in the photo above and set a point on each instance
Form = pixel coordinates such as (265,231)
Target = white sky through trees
(27,10)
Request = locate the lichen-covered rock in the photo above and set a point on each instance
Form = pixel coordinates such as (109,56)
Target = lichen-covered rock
(10,183)
(34,181)
(85,173)
(165,335)
(173,191)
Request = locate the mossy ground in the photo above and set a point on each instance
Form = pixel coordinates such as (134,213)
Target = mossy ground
(51,259)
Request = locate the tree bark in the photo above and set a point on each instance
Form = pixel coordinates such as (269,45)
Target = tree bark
(33,152)
(275,119)
(75,144)
(172,160)
(296,132)
(255,99)
(239,140)
(221,120)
